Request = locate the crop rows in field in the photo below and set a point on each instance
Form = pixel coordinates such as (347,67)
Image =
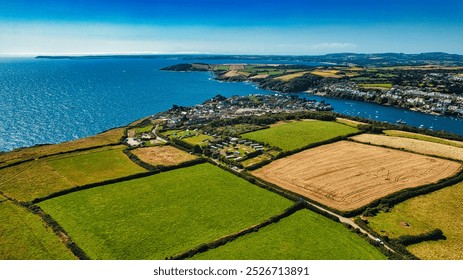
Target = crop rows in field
(347,175)
(415,145)
(163,155)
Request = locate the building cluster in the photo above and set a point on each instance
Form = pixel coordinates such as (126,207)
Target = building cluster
(220,107)
(422,98)
(229,148)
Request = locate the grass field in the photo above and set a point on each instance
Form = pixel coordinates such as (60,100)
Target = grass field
(105,138)
(39,178)
(199,139)
(441,209)
(164,214)
(414,145)
(417,136)
(302,236)
(294,135)
(23,236)
(191,137)
(163,155)
(31,180)
(376,86)
(95,167)
(347,175)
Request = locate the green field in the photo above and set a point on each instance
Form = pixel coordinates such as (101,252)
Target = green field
(164,214)
(23,236)
(199,139)
(31,180)
(105,138)
(94,167)
(140,130)
(191,137)
(304,235)
(379,86)
(441,209)
(398,133)
(42,177)
(294,135)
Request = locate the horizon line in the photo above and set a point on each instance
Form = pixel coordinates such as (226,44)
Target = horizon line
(25,55)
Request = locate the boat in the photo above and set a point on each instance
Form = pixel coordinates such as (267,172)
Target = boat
(401,121)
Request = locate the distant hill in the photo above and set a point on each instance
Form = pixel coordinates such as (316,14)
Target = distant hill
(379,59)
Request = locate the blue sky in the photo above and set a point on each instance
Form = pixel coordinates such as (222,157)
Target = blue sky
(229,27)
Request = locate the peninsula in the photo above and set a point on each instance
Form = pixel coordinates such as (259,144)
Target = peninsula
(432,89)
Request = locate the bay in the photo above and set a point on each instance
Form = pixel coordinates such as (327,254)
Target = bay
(51,101)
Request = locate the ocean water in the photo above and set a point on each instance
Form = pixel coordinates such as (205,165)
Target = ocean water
(51,101)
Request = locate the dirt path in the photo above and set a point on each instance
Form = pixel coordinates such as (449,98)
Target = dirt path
(348,221)
(157,136)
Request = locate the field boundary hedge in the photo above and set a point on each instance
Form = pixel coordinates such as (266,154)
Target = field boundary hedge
(52,224)
(377,125)
(281,191)
(158,170)
(400,252)
(433,235)
(60,153)
(284,154)
(231,237)
(390,200)
(138,161)
(59,231)
(404,150)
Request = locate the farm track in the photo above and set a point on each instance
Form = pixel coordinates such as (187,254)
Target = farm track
(349,222)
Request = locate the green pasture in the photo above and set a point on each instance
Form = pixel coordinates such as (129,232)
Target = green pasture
(304,235)
(145,129)
(24,236)
(191,137)
(199,139)
(95,167)
(42,177)
(164,214)
(294,135)
(104,138)
(441,209)
(380,86)
(221,67)
(31,180)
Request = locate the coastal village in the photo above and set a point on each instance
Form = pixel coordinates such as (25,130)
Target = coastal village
(182,123)
(422,99)
(220,107)
(429,89)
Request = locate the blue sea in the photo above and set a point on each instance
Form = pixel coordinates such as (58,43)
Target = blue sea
(51,101)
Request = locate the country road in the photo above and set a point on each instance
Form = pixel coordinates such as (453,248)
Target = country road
(157,136)
(348,221)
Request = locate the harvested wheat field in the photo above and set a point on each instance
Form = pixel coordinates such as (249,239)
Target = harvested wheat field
(414,145)
(163,155)
(347,175)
